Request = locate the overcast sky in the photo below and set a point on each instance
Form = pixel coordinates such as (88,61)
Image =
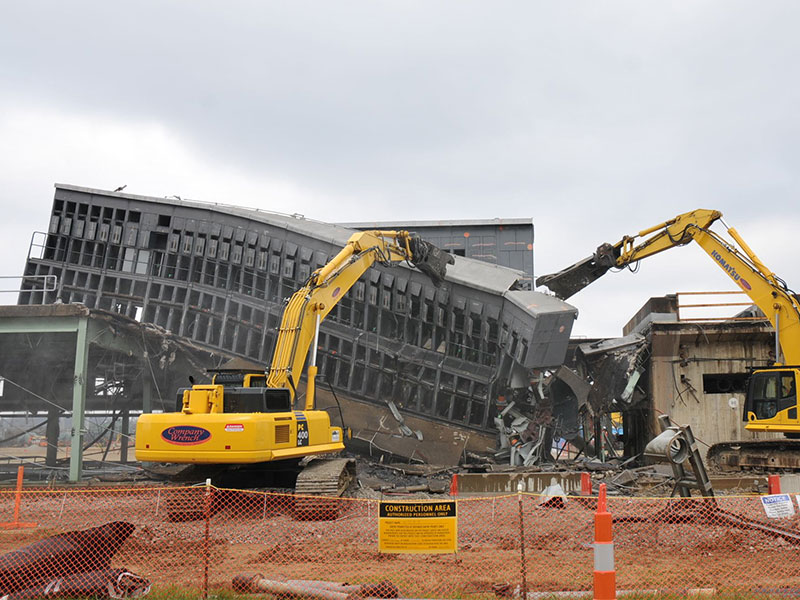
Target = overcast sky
(595,119)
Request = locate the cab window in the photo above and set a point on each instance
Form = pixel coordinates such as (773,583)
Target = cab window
(771,393)
(787,385)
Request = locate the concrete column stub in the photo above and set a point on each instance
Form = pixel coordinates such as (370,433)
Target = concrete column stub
(79,400)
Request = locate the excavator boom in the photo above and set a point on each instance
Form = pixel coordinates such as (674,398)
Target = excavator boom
(310,304)
(751,275)
(675,232)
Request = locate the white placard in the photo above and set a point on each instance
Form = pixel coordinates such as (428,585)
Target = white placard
(778,506)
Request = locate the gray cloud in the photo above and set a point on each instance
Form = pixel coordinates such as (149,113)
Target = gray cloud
(595,119)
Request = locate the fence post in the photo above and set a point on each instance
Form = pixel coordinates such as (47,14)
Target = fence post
(206,544)
(63,504)
(524,590)
(16,524)
(605,583)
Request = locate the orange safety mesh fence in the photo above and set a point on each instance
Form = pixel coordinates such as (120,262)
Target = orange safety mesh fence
(201,539)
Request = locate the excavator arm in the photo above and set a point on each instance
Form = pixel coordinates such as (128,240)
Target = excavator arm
(675,232)
(765,289)
(310,304)
(771,403)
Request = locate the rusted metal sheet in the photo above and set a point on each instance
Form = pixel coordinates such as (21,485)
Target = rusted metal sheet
(377,432)
(65,554)
(107,583)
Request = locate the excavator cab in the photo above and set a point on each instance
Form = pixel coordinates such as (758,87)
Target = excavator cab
(771,403)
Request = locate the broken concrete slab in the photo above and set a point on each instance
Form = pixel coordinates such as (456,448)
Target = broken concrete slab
(508,483)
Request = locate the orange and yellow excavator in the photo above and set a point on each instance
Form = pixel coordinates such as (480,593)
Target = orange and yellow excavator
(771,401)
(249,418)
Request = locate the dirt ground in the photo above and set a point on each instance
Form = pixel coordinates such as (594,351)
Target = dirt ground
(252,532)
(255,532)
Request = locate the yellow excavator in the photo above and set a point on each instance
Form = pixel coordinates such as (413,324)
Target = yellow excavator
(771,401)
(245,423)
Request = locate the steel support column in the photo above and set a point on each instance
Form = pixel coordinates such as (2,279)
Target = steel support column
(79,400)
(52,434)
(125,435)
(147,391)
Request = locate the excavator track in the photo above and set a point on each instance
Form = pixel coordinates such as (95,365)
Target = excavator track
(319,486)
(756,455)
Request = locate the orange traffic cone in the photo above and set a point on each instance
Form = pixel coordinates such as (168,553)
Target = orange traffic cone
(605,576)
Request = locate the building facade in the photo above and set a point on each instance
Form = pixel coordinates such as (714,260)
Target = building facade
(218,275)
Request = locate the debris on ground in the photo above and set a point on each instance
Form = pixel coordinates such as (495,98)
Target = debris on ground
(251,583)
(106,583)
(72,564)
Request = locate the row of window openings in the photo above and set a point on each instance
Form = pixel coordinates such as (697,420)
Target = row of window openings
(225,251)
(249,341)
(189,244)
(93,255)
(344,313)
(105,213)
(178,293)
(136,261)
(413,331)
(198,327)
(105,231)
(92,230)
(475,349)
(70,210)
(66,222)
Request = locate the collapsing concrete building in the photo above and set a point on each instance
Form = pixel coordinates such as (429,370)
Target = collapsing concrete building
(695,371)
(405,354)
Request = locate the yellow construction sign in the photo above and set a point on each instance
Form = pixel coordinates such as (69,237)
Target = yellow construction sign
(418,527)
